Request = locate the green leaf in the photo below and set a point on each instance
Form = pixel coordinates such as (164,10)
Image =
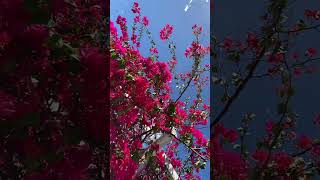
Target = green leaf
(214,69)
(114,55)
(72,135)
(31,119)
(215,80)
(171,109)
(30,5)
(136,155)
(53,40)
(129,77)
(213,54)
(32,164)
(236,146)
(74,66)
(200,164)
(301,24)
(224,98)
(234,56)
(122,63)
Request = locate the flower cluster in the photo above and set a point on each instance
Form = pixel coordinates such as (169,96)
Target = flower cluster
(143,108)
(166,32)
(315,14)
(196,50)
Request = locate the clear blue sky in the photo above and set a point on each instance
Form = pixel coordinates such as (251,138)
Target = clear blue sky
(172,11)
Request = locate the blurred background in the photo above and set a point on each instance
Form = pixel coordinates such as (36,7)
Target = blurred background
(234,19)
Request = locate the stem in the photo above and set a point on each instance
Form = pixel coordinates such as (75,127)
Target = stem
(192,149)
(278,133)
(303,29)
(275,23)
(238,90)
(306,150)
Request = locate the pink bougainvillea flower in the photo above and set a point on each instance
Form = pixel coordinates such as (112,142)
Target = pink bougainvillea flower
(313,14)
(199,136)
(136,19)
(4,39)
(260,156)
(309,13)
(166,32)
(134,38)
(282,161)
(230,164)
(121,20)
(135,8)
(176,163)
(8,105)
(292,135)
(161,158)
(252,41)
(113,29)
(304,142)
(227,43)
(316,151)
(295,56)
(311,52)
(145,21)
(317,120)
(35,35)
(297,71)
(154,50)
(206,107)
(269,126)
(197,30)
(231,135)
(277,58)
(196,49)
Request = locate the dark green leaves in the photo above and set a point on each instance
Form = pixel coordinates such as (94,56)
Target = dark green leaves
(61,49)
(200,164)
(234,56)
(171,109)
(72,135)
(214,68)
(31,119)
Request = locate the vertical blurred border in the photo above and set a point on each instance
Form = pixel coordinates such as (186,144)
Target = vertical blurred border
(212,41)
(107,145)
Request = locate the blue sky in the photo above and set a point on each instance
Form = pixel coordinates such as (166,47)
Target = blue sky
(173,12)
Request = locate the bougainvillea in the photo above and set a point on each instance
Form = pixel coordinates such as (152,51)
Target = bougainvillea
(277,150)
(53,100)
(142,106)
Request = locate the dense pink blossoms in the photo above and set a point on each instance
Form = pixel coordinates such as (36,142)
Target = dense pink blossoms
(142,105)
(166,32)
(53,92)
